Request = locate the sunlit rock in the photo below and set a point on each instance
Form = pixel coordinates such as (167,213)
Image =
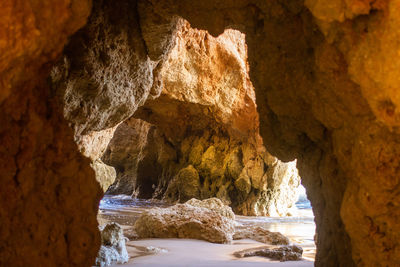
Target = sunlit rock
(105,174)
(203,138)
(185,221)
(213,204)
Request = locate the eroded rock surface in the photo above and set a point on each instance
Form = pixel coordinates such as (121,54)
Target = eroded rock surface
(283,253)
(105,174)
(213,204)
(109,67)
(325,79)
(260,234)
(113,249)
(48,194)
(185,221)
(203,140)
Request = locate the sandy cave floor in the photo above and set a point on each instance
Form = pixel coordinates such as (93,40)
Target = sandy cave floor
(299,229)
(188,252)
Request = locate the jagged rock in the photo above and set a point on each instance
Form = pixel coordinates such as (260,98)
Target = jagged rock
(105,174)
(113,249)
(283,253)
(206,120)
(185,221)
(327,93)
(260,234)
(213,204)
(48,194)
(94,144)
(109,68)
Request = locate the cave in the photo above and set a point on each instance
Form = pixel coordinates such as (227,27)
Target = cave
(324,73)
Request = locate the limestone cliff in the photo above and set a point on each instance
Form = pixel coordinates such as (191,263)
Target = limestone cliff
(204,140)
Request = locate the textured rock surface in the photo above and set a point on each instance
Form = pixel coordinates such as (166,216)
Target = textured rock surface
(185,221)
(260,234)
(93,146)
(326,82)
(284,253)
(113,249)
(205,141)
(326,95)
(126,152)
(105,174)
(48,193)
(109,67)
(213,204)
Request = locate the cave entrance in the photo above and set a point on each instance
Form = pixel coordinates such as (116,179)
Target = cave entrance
(200,139)
(171,126)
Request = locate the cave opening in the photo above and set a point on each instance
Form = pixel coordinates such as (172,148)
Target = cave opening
(195,139)
(325,77)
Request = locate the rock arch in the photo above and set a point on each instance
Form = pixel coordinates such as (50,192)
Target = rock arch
(325,79)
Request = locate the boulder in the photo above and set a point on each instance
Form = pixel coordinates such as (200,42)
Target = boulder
(113,249)
(185,221)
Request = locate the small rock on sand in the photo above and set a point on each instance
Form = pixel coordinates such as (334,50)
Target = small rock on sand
(284,253)
(260,234)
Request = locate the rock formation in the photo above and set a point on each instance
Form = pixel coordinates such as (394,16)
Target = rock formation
(325,79)
(113,249)
(260,234)
(207,219)
(185,221)
(48,194)
(108,69)
(325,74)
(283,253)
(203,141)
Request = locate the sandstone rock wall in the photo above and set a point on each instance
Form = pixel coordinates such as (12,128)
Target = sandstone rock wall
(110,67)
(48,193)
(204,141)
(325,76)
(326,80)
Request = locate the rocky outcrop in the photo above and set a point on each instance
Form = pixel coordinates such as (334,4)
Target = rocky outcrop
(48,194)
(109,68)
(283,253)
(204,139)
(326,79)
(325,82)
(113,249)
(93,146)
(105,174)
(185,221)
(260,234)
